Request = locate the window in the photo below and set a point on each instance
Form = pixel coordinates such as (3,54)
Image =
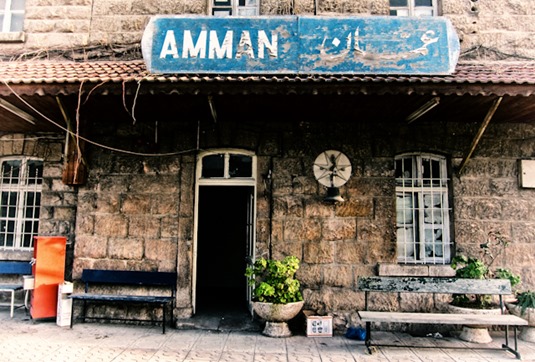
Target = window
(227,165)
(20,188)
(11,16)
(413,7)
(422,222)
(234,7)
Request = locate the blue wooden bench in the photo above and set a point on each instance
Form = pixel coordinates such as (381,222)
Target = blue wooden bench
(14,268)
(122,278)
(498,287)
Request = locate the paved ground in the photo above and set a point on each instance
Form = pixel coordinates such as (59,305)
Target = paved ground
(22,339)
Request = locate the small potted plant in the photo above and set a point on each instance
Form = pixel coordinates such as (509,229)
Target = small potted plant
(480,268)
(277,294)
(524,307)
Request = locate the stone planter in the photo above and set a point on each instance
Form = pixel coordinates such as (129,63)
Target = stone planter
(528,333)
(474,334)
(277,316)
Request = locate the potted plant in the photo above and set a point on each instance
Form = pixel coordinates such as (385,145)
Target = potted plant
(524,307)
(277,294)
(481,268)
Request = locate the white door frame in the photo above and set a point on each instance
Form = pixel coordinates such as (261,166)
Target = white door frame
(221,181)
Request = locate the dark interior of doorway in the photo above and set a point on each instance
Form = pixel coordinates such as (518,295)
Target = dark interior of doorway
(222,251)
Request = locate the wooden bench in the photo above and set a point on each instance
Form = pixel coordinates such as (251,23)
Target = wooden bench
(123,278)
(14,268)
(441,286)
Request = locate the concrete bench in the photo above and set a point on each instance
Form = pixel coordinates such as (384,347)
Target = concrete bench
(498,287)
(142,279)
(14,268)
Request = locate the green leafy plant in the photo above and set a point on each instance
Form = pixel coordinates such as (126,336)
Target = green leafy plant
(274,280)
(525,300)
(481,268)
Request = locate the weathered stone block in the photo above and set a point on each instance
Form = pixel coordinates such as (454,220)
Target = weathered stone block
(131,248)
(339,229)
(302,229)
(283,249)
(161,250)
(338,276)
(309,275)
(361,207)
(85,225)
(136,204)
(288,206)
(315,208)
(90,247)
(350,252)
(144,226)
(111,225)
(318,252)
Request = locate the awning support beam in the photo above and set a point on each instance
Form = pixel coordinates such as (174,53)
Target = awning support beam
(479,134)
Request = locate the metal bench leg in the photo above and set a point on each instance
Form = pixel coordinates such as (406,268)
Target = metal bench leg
(163,317)
(367,341)
(12,302)
(506,345)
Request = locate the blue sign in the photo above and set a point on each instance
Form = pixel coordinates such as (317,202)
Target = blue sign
(300,45)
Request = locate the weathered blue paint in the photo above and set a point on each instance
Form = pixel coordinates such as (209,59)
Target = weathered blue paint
(300,45)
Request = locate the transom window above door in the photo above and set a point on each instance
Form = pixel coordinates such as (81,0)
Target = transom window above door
(413,7)
(227,165)
(234,7)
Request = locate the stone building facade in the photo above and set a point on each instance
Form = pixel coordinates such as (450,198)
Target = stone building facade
(138,209)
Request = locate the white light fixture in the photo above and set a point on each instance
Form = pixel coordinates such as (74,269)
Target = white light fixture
(423,110)
(17,111)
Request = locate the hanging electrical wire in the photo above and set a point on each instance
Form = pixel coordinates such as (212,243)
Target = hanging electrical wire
(94,143)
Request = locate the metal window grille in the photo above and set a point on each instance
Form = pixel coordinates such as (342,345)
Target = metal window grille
(413,8)
(235,7)
(422,210)
(11,15)
(20,188)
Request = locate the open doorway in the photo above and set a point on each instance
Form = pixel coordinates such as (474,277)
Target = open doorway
(223,246)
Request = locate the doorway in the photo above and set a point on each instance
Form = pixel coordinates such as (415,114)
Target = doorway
(224,235)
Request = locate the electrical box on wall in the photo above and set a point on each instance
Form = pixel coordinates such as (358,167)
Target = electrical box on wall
(527,173)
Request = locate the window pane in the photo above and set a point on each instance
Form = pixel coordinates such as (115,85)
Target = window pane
(35,172)
(8,204)
(404,208)
(398,2)
(240,166)
(213,166)
(423,12)
(17,22)
(247,11)
(2,5)
(423,3)
(241,3)
(10,172)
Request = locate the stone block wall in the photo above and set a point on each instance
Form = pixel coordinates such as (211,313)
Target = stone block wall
(490,30)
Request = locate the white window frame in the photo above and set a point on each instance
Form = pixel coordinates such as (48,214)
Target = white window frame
(418,226)
(233,7)
(8,13)
(415,11)
(19,219)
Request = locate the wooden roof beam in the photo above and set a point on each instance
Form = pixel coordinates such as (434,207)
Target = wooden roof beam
(479,134)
